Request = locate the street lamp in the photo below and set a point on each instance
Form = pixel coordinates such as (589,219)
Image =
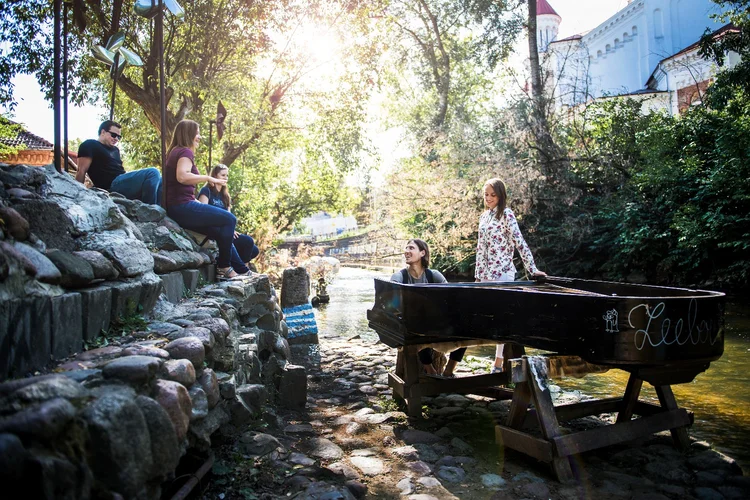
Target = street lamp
(154,9)
(116,56)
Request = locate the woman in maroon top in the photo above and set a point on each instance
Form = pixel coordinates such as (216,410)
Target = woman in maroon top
(181,176)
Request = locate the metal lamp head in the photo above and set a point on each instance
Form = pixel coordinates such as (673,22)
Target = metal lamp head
(103,55)
(149,8)
(130,57)
(115,41)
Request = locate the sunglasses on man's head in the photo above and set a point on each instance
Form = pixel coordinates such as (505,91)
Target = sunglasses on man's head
(114,135)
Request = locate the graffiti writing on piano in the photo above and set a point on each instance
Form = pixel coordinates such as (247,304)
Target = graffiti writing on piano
(610,321)
(657,329)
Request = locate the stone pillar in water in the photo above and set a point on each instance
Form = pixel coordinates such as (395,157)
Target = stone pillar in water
(298,312)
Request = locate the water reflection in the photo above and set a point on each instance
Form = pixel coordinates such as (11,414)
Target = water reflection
(352,294)
(719,398)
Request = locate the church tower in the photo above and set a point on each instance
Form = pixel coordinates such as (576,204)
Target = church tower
(547,24)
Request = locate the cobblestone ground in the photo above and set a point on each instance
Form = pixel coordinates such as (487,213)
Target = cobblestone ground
(353,442)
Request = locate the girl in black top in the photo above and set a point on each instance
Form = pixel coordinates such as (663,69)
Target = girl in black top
(244,248)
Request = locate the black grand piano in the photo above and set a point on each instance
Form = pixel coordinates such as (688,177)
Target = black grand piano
(661,335)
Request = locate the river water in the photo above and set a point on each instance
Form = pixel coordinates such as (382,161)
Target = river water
(719,397)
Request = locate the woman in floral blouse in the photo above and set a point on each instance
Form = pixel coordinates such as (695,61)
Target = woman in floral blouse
(499,236)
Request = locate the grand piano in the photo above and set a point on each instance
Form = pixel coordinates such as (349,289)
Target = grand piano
(661,335)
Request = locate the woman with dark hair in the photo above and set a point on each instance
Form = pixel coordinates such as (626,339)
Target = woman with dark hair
(180,177)
(244,249)
(499,237)
(417,256)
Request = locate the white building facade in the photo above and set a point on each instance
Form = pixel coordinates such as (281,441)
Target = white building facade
(619,56)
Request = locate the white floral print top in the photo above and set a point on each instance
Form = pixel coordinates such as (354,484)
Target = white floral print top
(497,240)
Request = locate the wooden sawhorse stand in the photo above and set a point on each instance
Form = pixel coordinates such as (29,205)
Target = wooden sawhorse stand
(409,383)
(531,374)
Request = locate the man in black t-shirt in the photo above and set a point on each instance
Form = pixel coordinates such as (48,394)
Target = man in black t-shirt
(100,158)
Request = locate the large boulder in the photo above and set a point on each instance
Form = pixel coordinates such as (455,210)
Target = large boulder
(120,443)
(14,223)
(46,271)
(160,237)
(76,271)
(102,266)
(174,398)
(165,449)
(130,256)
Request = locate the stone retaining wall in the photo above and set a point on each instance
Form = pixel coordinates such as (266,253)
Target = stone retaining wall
(72,260)
(115,421)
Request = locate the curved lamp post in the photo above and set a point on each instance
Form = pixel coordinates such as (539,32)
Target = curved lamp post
(154,9)
(115,56)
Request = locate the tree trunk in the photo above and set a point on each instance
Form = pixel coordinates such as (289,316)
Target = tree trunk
(536,71)
(540,125)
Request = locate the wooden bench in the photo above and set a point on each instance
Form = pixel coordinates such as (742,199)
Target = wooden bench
(409,382)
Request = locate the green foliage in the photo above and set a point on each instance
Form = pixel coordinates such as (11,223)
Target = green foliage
(124,324)
(10,130)
(127,323)
(666,197)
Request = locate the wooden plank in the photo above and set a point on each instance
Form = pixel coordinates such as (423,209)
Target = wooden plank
(600,437)
(396,384)
(679,434)
(511,351)
(541,397)
(519,441)
(585,408)
(519,407)
(452,345)
(645,409)
(499,393)
(429,386)
(400,362)
(517,370)
(538,383)
(411,378)
(629,401)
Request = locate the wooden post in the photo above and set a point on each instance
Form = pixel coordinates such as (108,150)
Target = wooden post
(536,379)
(411,378)
(629,401)
(668,402)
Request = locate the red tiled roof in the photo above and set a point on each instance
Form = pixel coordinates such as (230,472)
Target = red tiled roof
(31,141)
(543,7)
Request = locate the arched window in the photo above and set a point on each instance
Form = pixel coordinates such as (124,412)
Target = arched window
(598,53)
(634,29)
(658,24)
(608,48)
(625,37)
(617,42)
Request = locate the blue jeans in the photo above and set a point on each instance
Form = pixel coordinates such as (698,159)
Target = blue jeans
(243,251)
(212,221)
(144,185)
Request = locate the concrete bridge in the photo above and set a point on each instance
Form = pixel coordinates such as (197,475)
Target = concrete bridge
(369,248)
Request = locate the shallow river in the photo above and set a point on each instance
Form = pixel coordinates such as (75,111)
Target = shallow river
(719,398)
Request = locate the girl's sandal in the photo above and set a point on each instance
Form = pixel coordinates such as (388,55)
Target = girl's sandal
(225,273)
